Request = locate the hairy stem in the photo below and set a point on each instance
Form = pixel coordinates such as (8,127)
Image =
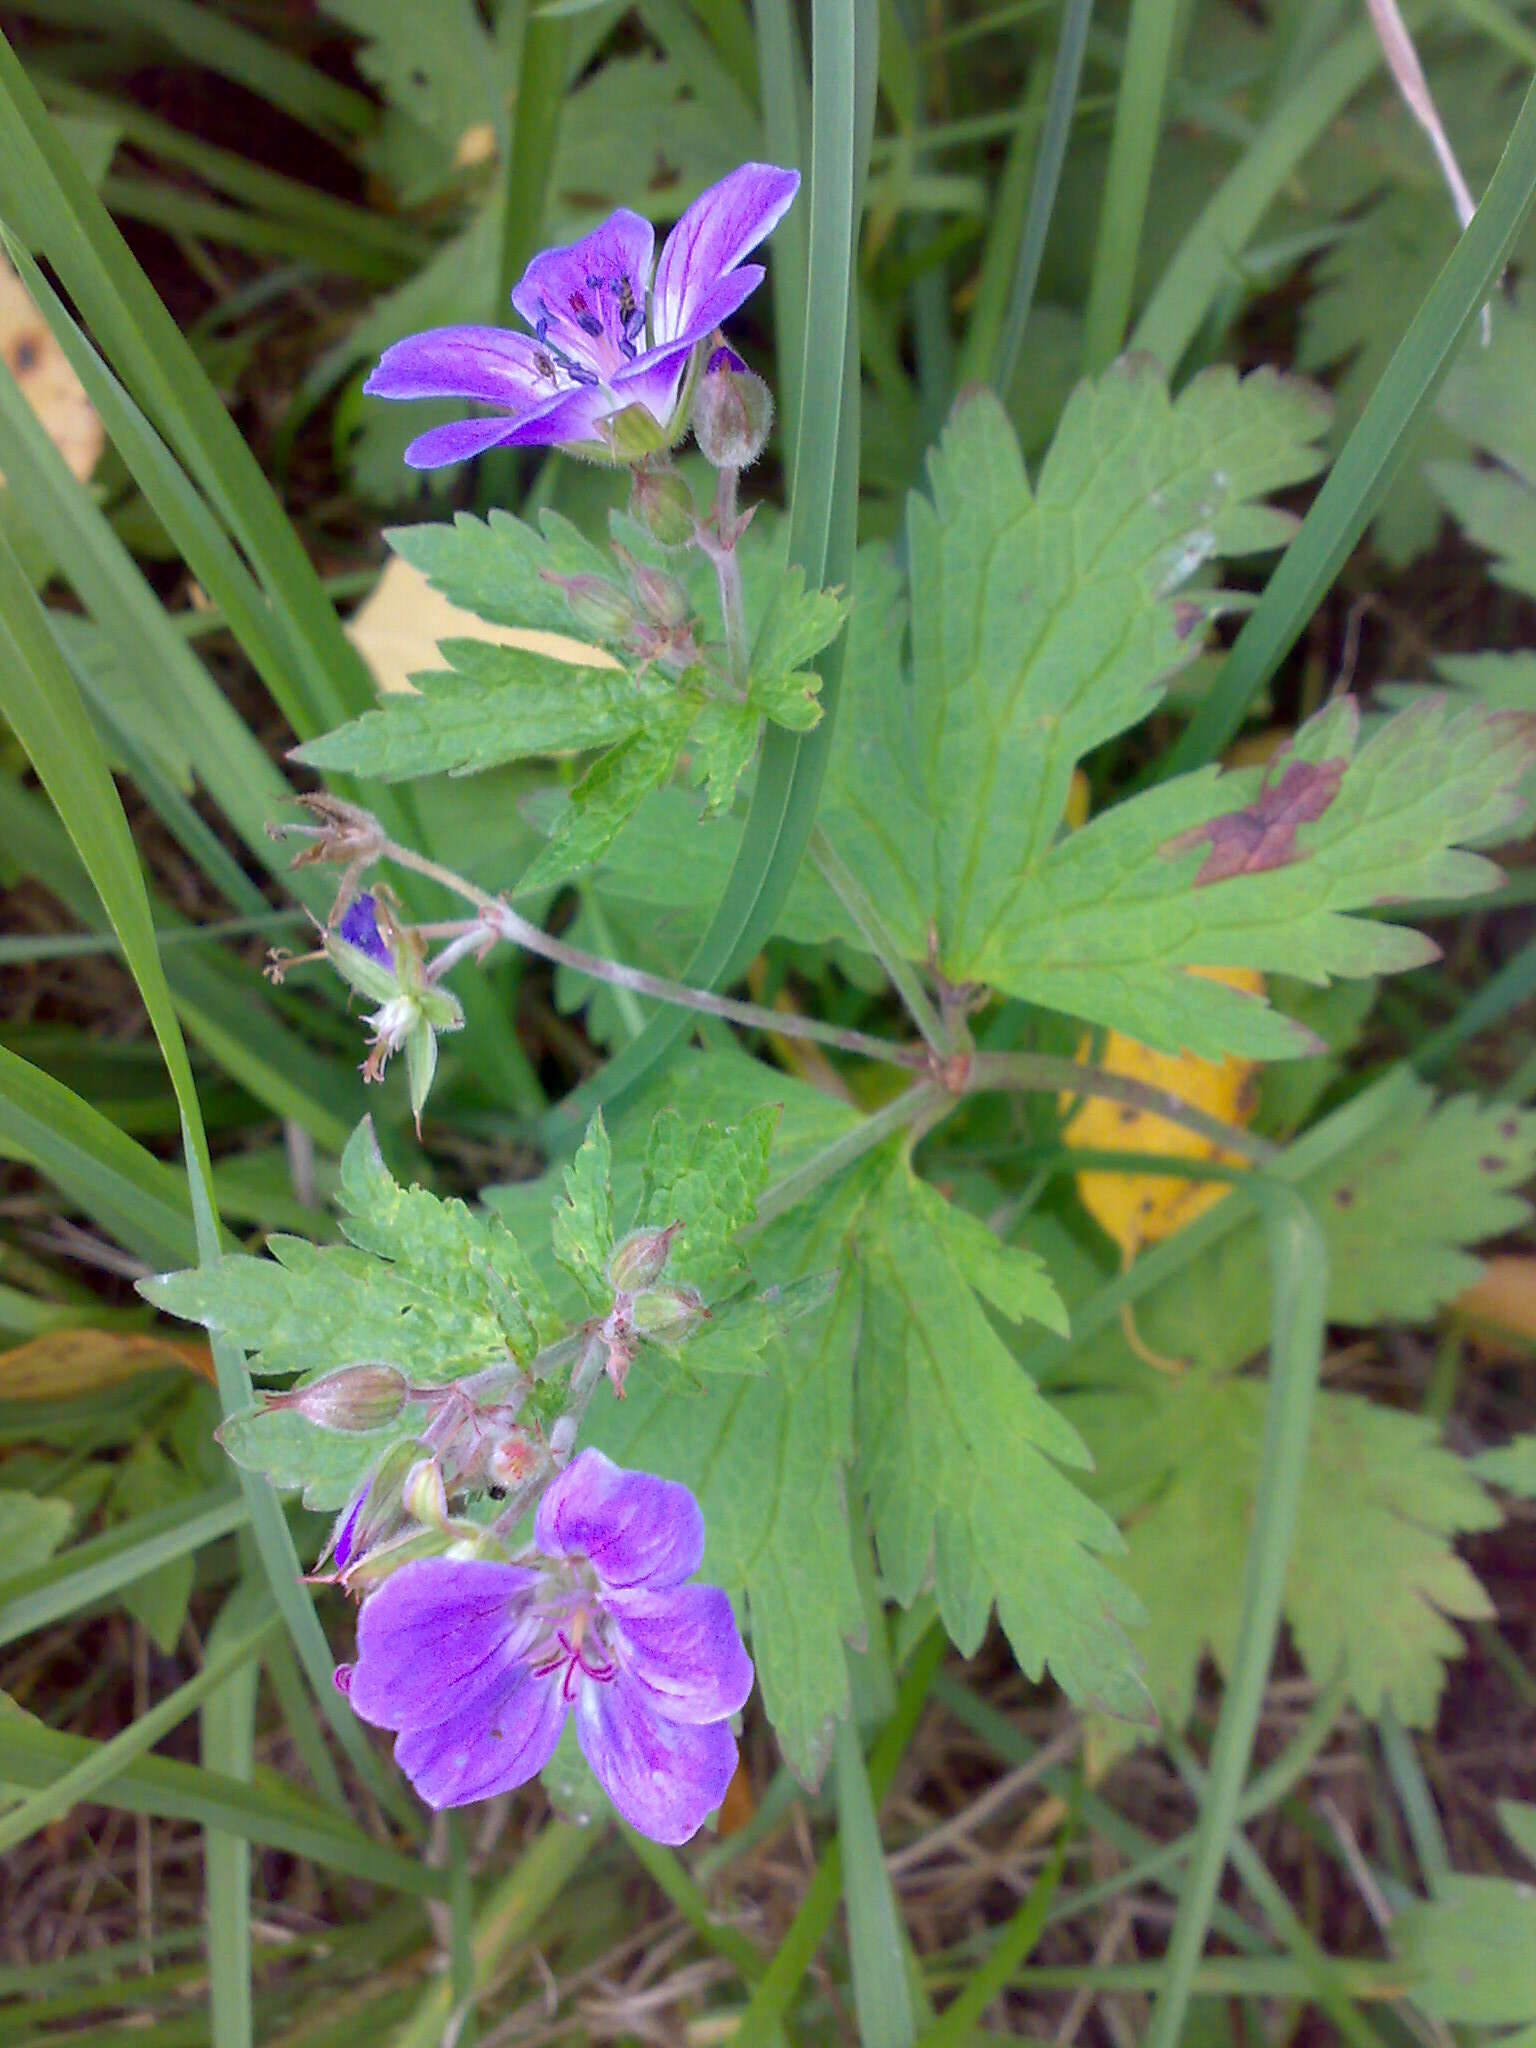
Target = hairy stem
(501,921)
(902,975)
(1041,1073)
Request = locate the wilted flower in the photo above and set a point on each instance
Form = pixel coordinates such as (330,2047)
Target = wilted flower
(606,370)
(477,1664)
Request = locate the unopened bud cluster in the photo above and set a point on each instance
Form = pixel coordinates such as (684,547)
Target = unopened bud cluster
(645,1310)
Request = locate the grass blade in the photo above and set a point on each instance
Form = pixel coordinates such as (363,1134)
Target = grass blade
(228,1737)
(1370,458)
(1152,51)
(103,1565)
(39,698)
(881,1997)
(1049,158)
(1298,1258)
(94,1773)
(823,514)
(135,1197)
(1211,253)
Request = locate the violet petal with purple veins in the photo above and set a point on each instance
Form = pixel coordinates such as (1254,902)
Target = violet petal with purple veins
(476,1665)
(605,369)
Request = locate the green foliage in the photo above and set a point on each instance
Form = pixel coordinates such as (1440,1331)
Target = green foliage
(425,1286)
(1469,1951)
(708,1178)
(582,1231)
(1373,1575)
(663,685)
(1511,1465)
(32,1527)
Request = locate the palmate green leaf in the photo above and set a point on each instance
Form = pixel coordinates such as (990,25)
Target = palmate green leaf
(902,1342)
(1106,923)
(1511,1465)
(1373,1573)
(1043,621)
(1399,1210)
(956,1450)
(1372,281)
(1468,1953)
(503,569)
(426,1286)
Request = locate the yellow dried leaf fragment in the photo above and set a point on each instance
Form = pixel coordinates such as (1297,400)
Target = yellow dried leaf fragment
(43,373)
(396,629)
(1140,1208)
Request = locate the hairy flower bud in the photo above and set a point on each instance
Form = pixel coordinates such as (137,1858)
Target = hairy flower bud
(596,605)
(660,500)
(668,1315)
(642,1258)
(732,412)
(358,1397)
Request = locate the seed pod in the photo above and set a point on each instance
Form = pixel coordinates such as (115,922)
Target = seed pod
(642,1258)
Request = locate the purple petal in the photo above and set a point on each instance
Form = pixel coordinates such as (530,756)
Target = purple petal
(712,237)
(655,380)
(458,441)
(725,358)
(491,364)
(589,297)
(637,1530)
(435,1636)
(360,927)
(575,417)
(719,302)
(665,1777)
(491,1745)
(345,1529)
(683,1647)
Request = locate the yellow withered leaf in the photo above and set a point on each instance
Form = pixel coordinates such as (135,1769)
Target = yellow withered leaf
(397,627)
(1503,1302)
(43,373)
(1140,1208)
(61,1363)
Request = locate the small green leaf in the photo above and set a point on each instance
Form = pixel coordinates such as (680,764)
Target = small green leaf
(1511,1465)
(706,1177)
(609,793)
(32,1526)
(582,1227)
(1469,1951)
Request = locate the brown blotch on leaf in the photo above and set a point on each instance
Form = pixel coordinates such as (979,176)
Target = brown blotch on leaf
(1510,1128)
(1129,1115)
(1263,835)
(1344,1198)
(1492,1163)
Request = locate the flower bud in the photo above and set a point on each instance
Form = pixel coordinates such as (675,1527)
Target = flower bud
(732,412)
(668,1315)
(424,1494)
(513,1458)
(660,500)
(358,1397)
(375,1513)
(642,1258)
(663,600)
(597,606)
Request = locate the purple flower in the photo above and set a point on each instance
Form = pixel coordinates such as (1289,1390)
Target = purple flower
(360,928)
(605,369)
(476,1665)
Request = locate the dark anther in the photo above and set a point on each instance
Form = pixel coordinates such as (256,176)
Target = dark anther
(497,1492)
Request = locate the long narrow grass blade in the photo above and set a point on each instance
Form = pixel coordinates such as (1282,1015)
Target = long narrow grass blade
(509,1915)
(786,118)
(1152,51)
(228,1744)
(140,1200)
(1210,252)
(39,698)
(770,2001)
(95,1772)
(1049,158)
(101,1566)
(881,1998)
(1298,1257)
(271,1813)
(44,193)
(823,518)
(1012,1948)
(1370,458)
